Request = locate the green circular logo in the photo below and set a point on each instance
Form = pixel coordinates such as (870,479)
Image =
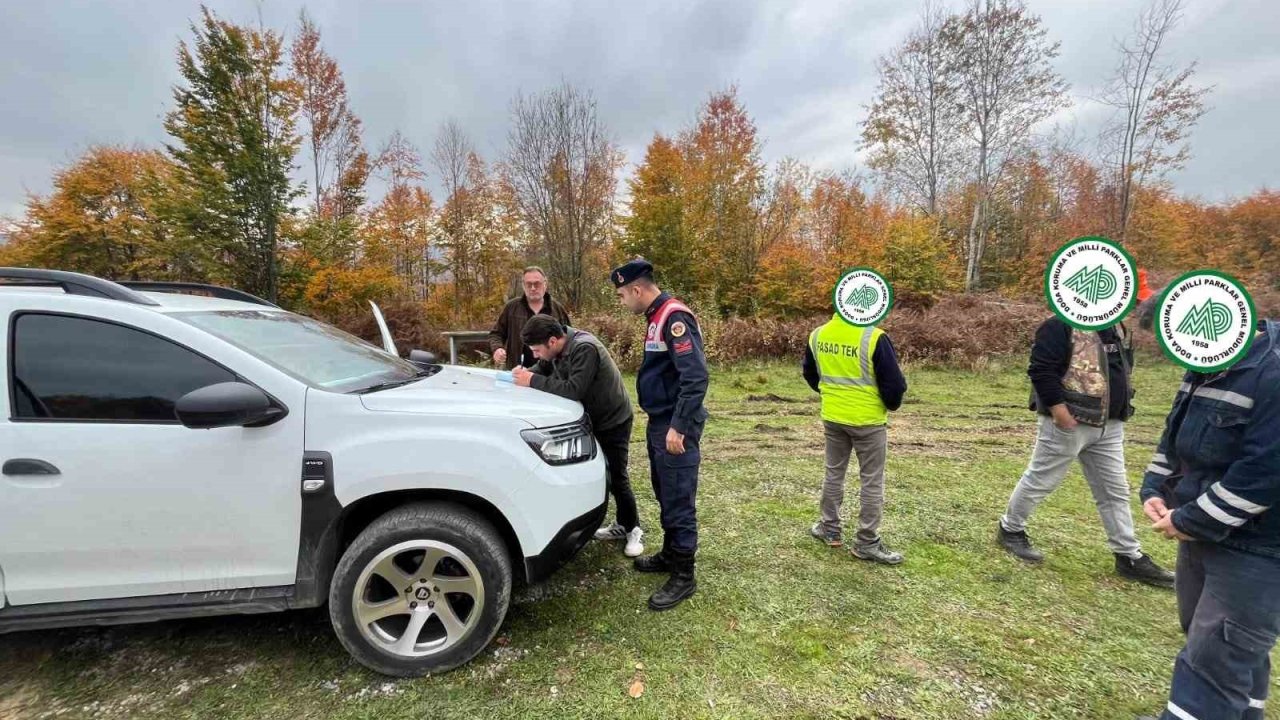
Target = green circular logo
(862,297)
(1091,283)
(1205,321)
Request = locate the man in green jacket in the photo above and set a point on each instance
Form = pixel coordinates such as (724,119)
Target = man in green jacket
(575,365)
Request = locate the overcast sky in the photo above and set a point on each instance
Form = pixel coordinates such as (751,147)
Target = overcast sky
(76,74)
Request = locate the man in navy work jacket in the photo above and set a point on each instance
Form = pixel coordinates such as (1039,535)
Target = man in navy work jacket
(672,385)
(1213,484)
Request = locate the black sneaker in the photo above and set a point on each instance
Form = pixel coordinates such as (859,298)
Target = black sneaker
(831,537)
(1144,570)
(1018,544)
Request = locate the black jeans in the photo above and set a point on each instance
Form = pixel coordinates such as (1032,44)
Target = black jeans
(615,443)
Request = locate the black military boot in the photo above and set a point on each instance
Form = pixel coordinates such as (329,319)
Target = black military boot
(679,586)
(1018,544)
(655,563)
(1144,570)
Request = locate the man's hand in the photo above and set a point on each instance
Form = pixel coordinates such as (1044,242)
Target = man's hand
(500,356)
(675,442)
(522,376)
(1155,509)
(1062,417)
(1166,527)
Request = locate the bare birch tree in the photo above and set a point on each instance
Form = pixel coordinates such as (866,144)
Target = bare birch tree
(1155,108)
(1003,65)
(912,126)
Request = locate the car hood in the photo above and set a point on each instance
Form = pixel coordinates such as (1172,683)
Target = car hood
(474,392)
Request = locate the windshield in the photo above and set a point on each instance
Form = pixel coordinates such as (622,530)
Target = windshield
(320,355)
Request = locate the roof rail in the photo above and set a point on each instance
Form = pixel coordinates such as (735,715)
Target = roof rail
(73,284)
(192,288)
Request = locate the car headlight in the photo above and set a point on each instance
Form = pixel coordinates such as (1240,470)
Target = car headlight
(562,444)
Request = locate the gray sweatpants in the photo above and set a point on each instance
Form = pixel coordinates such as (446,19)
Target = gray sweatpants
(1101,455)
(870,443)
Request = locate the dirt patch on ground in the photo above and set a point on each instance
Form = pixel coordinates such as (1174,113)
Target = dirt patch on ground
(772,398)
(18,703)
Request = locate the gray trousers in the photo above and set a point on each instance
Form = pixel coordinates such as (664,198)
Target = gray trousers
(870,443)
(1101,455)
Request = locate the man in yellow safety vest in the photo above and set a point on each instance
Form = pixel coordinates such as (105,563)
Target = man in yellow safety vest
(856,371)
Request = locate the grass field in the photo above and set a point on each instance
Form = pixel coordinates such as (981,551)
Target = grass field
(781,627)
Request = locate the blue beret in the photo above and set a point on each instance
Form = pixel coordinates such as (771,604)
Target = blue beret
(633,270)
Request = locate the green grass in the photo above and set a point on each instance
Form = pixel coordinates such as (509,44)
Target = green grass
(781,626)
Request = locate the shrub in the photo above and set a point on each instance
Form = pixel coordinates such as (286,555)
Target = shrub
(960,329)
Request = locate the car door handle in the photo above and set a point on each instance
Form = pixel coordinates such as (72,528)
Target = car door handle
(29,466)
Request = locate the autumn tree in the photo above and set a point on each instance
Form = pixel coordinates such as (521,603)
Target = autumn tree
(793,281)
(452,157)
(234,141)
(1002,62)
(479,228)
(845,224)
(723,186)
(494,233)
(339,163)
(102,218)
(398,231)
(912,127)
(1252,227)
(784,206)
(913,259)
(655,222)
(1155,108)
(562,167)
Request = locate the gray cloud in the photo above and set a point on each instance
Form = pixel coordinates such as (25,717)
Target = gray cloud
(83,73)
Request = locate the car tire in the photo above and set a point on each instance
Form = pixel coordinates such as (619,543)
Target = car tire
(399,617)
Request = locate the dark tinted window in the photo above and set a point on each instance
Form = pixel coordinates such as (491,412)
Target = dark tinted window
(74,368)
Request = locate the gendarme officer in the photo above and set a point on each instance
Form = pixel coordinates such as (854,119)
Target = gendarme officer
(672,385)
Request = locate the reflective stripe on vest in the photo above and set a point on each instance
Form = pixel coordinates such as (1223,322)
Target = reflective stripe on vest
(850,395)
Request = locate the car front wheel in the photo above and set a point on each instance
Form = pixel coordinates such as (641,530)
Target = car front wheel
(422,590)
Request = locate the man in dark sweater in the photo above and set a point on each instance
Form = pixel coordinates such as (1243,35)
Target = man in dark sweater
(1081,390)
(574,364)
(504,339)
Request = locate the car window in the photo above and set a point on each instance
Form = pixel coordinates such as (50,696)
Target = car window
(72,368)
(319,355)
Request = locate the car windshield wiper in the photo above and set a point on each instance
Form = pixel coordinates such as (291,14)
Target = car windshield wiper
(393,383)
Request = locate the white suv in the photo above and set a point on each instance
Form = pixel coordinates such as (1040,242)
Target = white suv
(168,455)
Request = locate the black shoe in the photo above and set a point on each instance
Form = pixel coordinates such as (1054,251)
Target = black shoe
(680,586)
(655,563)
(1018,544)
(1144,570)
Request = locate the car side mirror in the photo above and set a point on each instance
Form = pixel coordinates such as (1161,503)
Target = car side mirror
(228,404)
(422,358)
